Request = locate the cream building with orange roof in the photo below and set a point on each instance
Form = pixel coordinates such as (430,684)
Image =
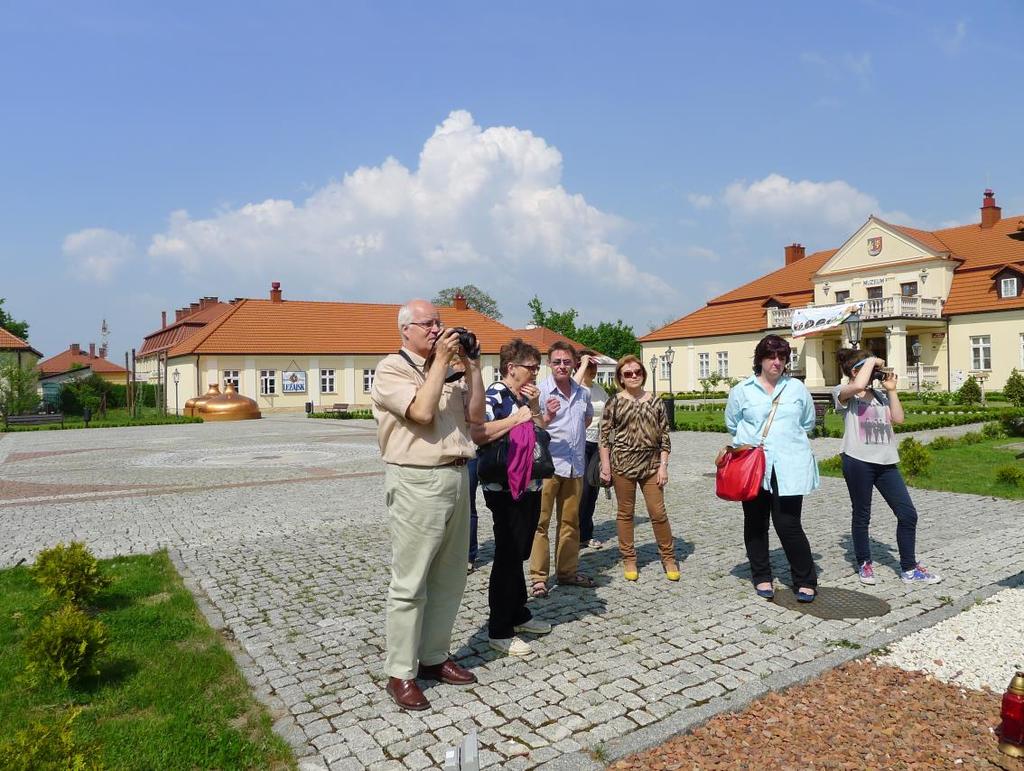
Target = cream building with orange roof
(287,353)
(958,292)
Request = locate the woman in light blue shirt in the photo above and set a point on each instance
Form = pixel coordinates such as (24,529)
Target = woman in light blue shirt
(790,469)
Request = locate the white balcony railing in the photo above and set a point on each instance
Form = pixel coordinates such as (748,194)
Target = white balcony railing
(893,306)
(929,374)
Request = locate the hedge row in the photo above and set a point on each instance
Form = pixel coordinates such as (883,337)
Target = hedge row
(352,415)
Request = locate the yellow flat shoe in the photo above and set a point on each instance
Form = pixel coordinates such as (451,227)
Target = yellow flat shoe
(672,575)
(630,572)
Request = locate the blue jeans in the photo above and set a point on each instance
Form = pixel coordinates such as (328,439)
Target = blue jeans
(474,547)
(861,477)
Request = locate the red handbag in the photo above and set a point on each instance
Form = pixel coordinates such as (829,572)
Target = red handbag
(741,469)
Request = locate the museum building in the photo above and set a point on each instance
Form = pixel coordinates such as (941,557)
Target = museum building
(957,293)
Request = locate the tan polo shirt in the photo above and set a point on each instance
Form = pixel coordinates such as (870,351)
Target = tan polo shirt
(406,442)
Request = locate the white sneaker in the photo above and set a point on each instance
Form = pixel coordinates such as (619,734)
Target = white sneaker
(534,626)
(511,646)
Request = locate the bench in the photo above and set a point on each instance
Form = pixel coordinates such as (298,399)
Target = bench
(822,404)
(336,407)
(34,420)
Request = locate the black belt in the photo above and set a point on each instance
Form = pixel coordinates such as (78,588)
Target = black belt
(456,462)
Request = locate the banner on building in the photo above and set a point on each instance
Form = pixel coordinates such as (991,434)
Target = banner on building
(293,381)
(818,318)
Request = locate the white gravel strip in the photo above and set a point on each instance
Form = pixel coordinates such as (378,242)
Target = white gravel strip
(979,648)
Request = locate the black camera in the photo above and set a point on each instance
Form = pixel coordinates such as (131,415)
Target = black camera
(468,342)
(882,373)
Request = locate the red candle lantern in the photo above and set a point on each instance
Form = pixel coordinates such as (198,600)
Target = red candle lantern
(1011,730)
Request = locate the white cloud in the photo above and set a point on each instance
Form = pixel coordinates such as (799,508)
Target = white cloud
(97,252)
(701,253)
(700,200)
(836,207)
(482,204)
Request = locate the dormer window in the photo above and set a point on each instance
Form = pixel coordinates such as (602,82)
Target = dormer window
(1009,286)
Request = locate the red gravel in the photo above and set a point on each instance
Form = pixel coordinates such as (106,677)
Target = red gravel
(858,716)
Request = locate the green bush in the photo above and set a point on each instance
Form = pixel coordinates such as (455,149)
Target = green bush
(350,415)
(832,465)
(1011,475)
(1012,422)
(49,746)
(972,437)
(70,573)
(1014,388)
(969,393)
(915,459)
(66,645)
(941,443)
(993,430)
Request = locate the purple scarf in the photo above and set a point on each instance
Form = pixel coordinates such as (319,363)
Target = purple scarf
(521,441)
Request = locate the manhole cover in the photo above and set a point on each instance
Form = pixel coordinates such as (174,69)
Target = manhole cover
(834,603)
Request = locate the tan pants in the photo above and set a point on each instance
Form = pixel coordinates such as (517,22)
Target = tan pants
(428,516)
(563,495)
(654,497)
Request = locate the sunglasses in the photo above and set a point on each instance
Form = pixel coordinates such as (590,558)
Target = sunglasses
(534,368)
(562,363)
(633,373)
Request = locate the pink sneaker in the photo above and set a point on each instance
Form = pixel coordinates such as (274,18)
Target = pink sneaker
(867,573)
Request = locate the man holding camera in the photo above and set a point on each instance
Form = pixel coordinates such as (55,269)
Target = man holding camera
(423,410)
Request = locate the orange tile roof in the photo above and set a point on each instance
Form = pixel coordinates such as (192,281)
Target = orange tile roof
(65,361)
(169,336)
(978,251)
(542,338)
(307,327)
(11,342)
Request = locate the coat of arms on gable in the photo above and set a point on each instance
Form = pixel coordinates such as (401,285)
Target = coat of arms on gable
(875,246)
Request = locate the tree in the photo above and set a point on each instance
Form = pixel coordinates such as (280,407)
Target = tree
(476,298)
(18,387)
(614,340)
(1014,388)
(969,393)
(16,328)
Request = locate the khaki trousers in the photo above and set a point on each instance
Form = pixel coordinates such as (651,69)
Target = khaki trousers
(654,497)
(563,495)
(428,517)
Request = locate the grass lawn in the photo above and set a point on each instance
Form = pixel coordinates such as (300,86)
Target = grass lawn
(168,696)
(703,420)
(966,468)
(148,416)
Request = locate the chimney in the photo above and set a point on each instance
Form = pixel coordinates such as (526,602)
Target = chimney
(203,302)
(193,307)
(990,213)
(163,319)
(460,302)
(92,350)
(275,292)
(794,252)
(103,351)
(74,348)
(177,315)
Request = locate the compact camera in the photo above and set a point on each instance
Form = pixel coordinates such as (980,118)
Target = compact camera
(882,373)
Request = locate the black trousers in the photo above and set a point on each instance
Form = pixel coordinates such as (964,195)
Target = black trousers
(784,511)
(588,502)
(515,523)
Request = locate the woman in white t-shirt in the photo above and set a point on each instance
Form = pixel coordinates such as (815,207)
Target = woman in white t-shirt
(585,371)
(870,459)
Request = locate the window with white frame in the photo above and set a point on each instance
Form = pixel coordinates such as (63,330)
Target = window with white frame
(842,295)
(1008,287)
(981,352)
(794,359)
(666,368)
(497,374)
(231,378)
(368,380)
(703,365)
(327,381)
(723,363)
(268,382)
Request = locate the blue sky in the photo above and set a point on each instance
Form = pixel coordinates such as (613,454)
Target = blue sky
(629,160)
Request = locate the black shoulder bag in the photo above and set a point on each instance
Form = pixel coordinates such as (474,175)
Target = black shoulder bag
(492,458)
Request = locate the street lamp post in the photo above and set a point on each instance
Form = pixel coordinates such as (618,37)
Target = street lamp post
(176,377)
(654,374)
(670,356)
(916,350)
(853,328)
(670,403)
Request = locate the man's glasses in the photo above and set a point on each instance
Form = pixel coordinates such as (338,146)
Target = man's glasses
(562,363)
(633,373)
(534,368)
(432,324)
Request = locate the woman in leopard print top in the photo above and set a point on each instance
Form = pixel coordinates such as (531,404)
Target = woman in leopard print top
(634,446)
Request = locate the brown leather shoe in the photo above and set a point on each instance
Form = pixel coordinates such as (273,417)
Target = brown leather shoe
(447,672)
(406,694)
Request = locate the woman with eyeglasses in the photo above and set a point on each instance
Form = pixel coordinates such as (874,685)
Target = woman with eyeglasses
(870,459)
(634,445)
(513,400)
(790,469)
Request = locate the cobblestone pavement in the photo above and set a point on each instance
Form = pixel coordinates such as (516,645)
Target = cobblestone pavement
(281,524)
